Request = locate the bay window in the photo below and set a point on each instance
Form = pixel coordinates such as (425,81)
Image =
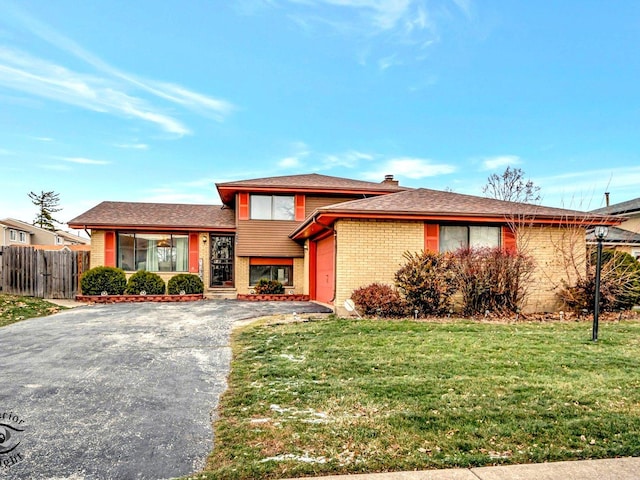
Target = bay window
(155,252)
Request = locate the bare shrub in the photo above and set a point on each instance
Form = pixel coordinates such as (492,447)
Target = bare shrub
(492,279)
(619,284)
(427,282)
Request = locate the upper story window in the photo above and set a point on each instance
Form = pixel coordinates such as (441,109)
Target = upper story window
(22,237)
(272,207)
(453,237)
(58,240)
(13,235)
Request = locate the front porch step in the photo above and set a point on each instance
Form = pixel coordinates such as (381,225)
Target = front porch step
(220,293)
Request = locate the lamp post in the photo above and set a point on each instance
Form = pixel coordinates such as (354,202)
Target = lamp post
(600,232)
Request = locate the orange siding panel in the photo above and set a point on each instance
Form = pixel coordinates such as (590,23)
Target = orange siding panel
(194,252)
(110,249)
(243,206)
(270,261)
(508,239)
(432,237)
(300,201)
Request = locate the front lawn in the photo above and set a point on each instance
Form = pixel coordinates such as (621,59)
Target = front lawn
(338,396)
(14,308)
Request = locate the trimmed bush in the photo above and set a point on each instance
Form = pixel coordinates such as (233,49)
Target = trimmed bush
(265,286)
(103,279)
(143,281)
(187,282)
(379,300)
(427,282)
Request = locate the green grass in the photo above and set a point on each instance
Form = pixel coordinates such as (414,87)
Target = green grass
(14,308)
(368,396)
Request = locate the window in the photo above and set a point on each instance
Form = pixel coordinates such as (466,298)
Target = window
(453,237)
(22,237)
(280,269)
(13,235)
(153,252)
(58,240)
(272,207)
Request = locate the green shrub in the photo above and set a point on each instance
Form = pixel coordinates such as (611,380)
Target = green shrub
(265,286)
(103,279)
(143,281)
(379,300)
(187,282)
(427,282)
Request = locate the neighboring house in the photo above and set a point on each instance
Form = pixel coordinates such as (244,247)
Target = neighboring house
(324,236)
(16,232)
(626,237)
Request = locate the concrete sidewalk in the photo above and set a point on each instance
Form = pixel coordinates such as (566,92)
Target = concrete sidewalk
(627,468)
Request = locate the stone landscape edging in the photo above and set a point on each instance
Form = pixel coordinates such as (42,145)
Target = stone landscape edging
(273,297)
(138,298)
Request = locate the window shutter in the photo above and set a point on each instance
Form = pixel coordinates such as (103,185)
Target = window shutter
(300,216)
(110,249)
(243,206)
(509,243)
(432,237)
(194,252)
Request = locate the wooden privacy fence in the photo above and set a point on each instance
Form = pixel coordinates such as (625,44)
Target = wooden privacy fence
(41,273)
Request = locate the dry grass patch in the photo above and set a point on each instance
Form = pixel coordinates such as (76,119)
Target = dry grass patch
(14,308)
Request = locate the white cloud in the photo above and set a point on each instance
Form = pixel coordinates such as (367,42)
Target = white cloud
(492,163)
(134,146)
(413,168)
(289,162)
(106,91)
(85,161)
(347,159)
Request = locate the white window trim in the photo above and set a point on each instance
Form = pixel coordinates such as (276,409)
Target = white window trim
(13,235)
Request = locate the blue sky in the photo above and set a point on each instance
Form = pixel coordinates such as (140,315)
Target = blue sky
(157,101)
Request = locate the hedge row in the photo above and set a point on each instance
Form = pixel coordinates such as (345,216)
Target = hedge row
(113,281)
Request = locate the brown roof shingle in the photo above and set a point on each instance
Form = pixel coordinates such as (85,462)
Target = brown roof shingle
(424,203)
(312,182)
(435,202)
(155,215)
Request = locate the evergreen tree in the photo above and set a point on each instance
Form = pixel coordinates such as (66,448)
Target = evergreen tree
(47,203)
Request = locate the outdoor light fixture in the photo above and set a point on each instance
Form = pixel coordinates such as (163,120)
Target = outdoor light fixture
(600,233)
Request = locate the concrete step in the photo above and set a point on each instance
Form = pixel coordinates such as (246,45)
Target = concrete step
(221,293)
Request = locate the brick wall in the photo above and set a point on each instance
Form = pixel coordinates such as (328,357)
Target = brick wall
(559,254)
(97,248)
(371,251)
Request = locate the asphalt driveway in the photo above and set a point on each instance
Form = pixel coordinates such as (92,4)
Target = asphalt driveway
(123,391)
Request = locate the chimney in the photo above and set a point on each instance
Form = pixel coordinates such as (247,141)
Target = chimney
(388,179)
(606,198)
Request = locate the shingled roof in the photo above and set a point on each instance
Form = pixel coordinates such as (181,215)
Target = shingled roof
(424,203)
(172,216)
(619,208)
(312,182)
